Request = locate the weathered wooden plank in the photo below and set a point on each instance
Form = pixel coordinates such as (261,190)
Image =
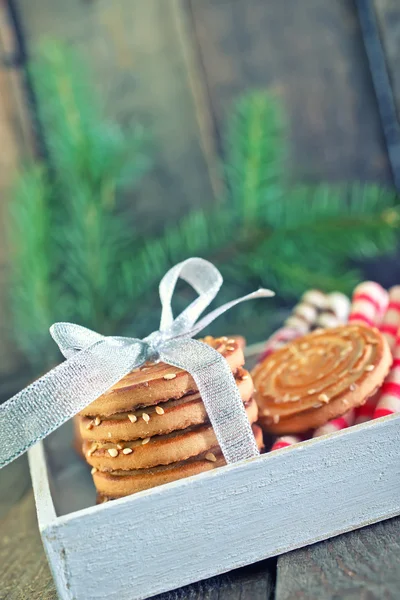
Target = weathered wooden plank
(16,143)
(311,54)
(363,564)
(386,76)
(388,15)
(14,483)
(138,53)
(24,570)
(255,582)
(378,66)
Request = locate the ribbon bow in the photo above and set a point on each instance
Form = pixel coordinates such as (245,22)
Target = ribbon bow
(95,363)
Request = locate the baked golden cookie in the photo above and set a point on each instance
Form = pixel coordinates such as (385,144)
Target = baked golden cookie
(154,383)
(158,450)
(319,377)
(123,483)
(172,415)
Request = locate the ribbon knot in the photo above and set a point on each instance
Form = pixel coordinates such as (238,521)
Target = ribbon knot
(94,363)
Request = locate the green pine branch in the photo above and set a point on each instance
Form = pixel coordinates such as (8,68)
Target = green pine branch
(255,154)
(35,291)
(79,257)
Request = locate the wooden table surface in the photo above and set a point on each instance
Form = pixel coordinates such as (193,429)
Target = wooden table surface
(364,564)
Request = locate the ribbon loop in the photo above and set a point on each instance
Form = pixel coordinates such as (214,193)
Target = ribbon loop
(203,277)
(95,363)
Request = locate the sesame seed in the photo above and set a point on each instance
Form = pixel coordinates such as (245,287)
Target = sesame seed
(211,457)
(159,410)
(231,341)
(93,471)
(317,405)
(97,421)
(127,451)
(113,452)
(145,441)
(275,419)
(132,418)
(89,425)
(145,417)
(352,387)
(369,368)
(169,376)
(223,338)
(245,377)
(109,434)
(323,398)
(119,446)
(311,392)
(92,449)
(230,348)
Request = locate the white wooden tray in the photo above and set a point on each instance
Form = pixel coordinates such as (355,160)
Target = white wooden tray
(167,537)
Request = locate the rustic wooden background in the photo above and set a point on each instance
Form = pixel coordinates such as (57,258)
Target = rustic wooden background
(177,65)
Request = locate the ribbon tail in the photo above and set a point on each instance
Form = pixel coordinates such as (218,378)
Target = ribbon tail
(43,406)
(219,393)
(214,314)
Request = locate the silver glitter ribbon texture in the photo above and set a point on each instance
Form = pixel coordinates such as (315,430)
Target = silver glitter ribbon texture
(95,363)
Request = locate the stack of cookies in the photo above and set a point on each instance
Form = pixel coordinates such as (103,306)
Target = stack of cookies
(152,427)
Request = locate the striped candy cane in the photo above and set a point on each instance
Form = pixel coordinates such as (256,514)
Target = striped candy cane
(285,441)
(338,424)
(365,412)
(336,311)
(389,327)
(369,303)
(299,322)
(391,320)
(389,398)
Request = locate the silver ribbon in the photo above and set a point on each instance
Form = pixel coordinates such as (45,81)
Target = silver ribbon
(95,363)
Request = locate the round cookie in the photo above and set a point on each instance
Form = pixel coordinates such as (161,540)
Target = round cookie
(173,415)
(154,383)
(158,450)
(319,377)
(123,483)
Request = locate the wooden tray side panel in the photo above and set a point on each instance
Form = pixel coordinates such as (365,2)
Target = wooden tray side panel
(196,528)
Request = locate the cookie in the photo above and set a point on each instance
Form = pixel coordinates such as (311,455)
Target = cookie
(172,415)
(154,383)
(319,377)
(158,450)
(123,483)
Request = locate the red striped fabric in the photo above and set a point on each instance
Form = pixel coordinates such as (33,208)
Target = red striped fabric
(367,298)
(391,388)
(382,412)
(360,317)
